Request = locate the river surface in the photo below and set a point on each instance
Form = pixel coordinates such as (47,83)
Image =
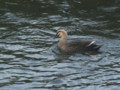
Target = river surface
(30,60)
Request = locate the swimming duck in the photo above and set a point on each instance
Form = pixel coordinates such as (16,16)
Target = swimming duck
(75,45)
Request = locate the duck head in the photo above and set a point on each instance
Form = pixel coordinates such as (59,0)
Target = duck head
(61,33)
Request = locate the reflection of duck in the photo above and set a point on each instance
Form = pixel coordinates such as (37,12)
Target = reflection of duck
(75,45)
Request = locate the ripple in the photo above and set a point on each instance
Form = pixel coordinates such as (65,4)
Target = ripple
(15,47)
(3,56)
(30,60)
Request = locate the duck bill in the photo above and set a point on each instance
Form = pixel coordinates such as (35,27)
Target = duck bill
(56,36)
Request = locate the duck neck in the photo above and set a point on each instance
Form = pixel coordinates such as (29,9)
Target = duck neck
(63,41)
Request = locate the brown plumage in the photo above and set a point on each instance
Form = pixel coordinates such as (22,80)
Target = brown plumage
(75,45)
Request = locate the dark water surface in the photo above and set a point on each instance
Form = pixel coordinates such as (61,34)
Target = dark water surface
(29,59)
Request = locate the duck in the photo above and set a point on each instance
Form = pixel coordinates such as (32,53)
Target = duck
(75,45)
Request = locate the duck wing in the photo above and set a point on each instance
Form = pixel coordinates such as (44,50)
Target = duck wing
(79,45)
(76,43)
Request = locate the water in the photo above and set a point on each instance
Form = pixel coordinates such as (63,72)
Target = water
(30,60)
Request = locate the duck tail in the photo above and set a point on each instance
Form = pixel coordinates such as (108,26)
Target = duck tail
(97,47)
(93,47)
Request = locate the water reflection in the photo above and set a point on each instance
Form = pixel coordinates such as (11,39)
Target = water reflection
(30,60)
